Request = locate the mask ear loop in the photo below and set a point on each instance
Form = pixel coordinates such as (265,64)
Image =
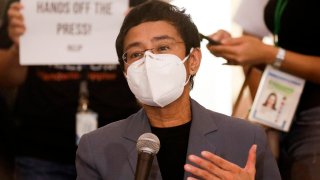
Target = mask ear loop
(187,57)
(183,61)
(187,80)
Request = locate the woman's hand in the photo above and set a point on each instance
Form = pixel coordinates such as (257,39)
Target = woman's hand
(245,50)
(213,167)
(16,23)
(220,35)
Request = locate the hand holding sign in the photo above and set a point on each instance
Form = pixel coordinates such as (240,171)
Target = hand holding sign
(16,24)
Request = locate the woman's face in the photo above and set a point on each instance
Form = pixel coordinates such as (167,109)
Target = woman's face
(271,100)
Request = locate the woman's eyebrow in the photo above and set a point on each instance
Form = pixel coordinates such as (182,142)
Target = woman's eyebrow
(162,37)
(134,44)
(154,39)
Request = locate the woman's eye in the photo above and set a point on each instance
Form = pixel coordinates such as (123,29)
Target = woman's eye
(136,55)
(163,48)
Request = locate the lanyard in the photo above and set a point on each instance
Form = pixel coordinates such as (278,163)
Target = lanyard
(86,119)
(83,90)
(281,4)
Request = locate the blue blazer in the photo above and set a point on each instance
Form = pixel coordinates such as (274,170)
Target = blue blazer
(109,153)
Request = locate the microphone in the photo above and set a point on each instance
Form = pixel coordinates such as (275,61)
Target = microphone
(148,146)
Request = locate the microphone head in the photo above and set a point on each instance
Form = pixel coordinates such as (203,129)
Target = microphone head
(148,143)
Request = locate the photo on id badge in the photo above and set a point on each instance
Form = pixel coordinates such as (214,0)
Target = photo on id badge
(271,106)
(276,99)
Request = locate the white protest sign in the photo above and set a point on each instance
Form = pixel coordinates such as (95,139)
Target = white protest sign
(71,31)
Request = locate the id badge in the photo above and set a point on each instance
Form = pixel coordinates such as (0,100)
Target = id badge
(85,123)
(277,98)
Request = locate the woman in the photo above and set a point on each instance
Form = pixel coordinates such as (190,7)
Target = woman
(295,53)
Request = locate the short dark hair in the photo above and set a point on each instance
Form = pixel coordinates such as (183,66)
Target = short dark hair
(159,11)
(133,3)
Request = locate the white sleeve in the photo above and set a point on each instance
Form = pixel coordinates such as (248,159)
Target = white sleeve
(250,16)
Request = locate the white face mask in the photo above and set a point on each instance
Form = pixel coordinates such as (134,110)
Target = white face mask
(157,79)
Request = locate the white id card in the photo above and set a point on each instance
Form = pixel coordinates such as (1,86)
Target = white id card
(85,123)
(277,98)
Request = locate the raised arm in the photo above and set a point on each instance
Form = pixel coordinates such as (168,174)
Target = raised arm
(248,49)
(11,73)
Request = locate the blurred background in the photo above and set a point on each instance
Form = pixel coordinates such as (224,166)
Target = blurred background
(216,85)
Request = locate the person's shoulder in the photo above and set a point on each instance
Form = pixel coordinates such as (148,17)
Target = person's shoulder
(222,120)
(237,124)
(232,125)
(225,124)
(99,140)
(114,129)
(234,129)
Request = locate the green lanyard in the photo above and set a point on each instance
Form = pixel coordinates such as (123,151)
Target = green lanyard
(281,4)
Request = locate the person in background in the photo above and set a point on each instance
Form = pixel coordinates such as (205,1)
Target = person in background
(6,155)
(6,145)
(48,101)
(295,52)
(159,49)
